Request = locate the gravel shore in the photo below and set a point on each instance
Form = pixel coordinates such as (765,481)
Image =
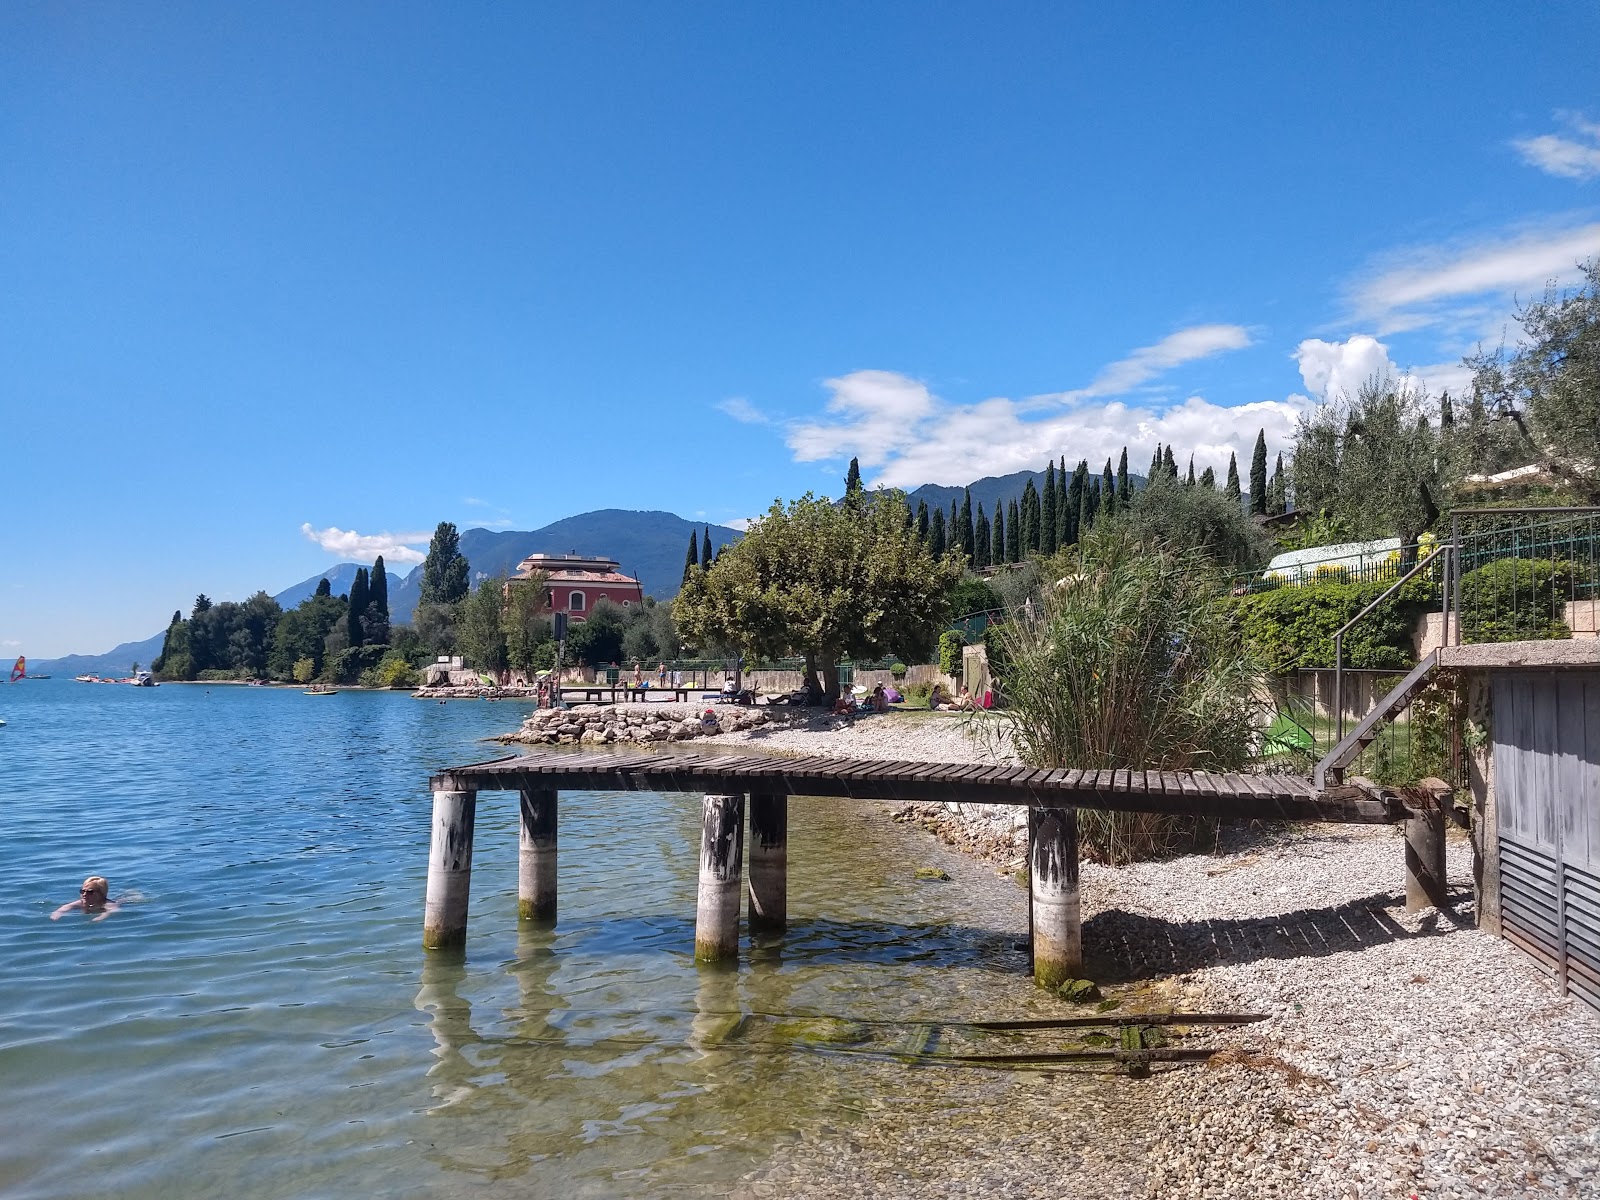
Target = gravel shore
(1404,1054)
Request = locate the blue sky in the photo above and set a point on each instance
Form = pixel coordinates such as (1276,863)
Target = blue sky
(282,285)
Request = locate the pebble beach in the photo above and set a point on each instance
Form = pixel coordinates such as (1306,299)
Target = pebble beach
(1403,1054)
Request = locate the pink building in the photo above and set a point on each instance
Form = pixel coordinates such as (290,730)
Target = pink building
(577,583)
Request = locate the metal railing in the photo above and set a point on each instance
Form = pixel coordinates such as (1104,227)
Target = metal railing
(1338,637)
(1523,574)
(1344,567)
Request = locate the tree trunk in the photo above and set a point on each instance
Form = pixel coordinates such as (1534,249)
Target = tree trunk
(813,684)
(830,681)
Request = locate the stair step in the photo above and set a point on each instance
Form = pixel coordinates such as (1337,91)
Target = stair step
(1367,729)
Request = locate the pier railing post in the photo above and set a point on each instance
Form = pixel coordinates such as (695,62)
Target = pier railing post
(1425,869)
(769,862)
(1057,934)
(536,856)
(444,915)
(716,920)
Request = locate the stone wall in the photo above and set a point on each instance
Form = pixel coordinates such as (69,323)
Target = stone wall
(603,724)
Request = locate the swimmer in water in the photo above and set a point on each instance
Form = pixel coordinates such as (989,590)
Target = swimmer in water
(93,897)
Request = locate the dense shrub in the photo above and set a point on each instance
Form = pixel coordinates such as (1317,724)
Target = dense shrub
(1292,627)
(351,663)
(1515,599)
(950,645)
(393,672)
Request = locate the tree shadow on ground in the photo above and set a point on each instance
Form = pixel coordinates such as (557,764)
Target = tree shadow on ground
(1124,947)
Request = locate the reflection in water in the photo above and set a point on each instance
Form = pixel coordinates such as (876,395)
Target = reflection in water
(450,1022)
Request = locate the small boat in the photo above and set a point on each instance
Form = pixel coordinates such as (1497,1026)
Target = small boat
(320,690)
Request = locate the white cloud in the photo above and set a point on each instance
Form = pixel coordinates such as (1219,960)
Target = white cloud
(743,411)
(740,523)
(1145,363)
(1332,369)
(1575,157)
(349,545)
(1463,285)
(912,437)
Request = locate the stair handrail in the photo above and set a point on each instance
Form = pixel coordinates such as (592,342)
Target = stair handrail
(1338,638)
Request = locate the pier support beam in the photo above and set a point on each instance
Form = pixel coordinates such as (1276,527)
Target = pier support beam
(716,919)
(1057,932)
(769,863)
(536,856)
(1425,879)
(444,914)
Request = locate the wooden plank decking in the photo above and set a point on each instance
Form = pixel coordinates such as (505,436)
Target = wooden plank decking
(1224,796)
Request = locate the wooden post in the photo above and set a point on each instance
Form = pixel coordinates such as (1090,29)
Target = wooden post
(1425,880)
(716,920)
(769,862)
(536,857)
(1057,933)
(444,915)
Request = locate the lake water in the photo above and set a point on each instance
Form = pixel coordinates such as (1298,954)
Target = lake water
(265,1022)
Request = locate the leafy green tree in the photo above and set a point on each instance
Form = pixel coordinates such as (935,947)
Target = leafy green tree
(924,525)
(982,539)
(1373,463)
(1258,475)
(1030,519)
(1195,519)
(1548,388)
(482,626)
(444,571)
(175,661)
(1231,491)
(1047,516)
(435,626)
(355,631)
(936,535)
(816,580)
(597,641)
(970,594)
(324,588)
(1208,480)
(302,633)
(304,670)
(525,619)
(202,604)
(691,564)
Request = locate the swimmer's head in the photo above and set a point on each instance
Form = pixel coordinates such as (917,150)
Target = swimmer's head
(96,887)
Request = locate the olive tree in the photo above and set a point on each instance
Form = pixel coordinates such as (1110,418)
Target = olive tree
(821,581)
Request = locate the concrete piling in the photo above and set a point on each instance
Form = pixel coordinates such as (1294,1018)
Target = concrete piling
(1057,932)
(1425,877)
(716,922)
(444,917)
(536,856)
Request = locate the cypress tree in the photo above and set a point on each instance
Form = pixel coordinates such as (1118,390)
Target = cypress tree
(997,542)
(1080,480)
(691,564)
(1447,416)
(1047,512)
(1155,465)
(324,588)
(952,529)
(1208,479)
(1168,463)
(705,549)
(1258,475)
(936,540)
(1085,512)
(1124,484)
(354,626)
(852,485)
(981,539)
(1231,491)
(924,530)
(1096,500)
(964,528)
(1066,519)
(1013,534)
(1030,519)
(1278,489)
(1190,480)
(378,592)
(1108,490)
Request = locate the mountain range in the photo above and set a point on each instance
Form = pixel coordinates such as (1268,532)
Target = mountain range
(650,546)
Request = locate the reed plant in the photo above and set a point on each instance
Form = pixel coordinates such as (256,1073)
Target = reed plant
(1129,659)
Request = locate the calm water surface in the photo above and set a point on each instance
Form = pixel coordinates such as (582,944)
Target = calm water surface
(265,1023)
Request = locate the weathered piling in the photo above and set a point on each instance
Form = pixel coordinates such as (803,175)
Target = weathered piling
(716,921)
(444,915)
(1425,877)
(1057,933)
(769,862)
(536,856)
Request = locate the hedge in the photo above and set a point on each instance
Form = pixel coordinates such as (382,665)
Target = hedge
(1293,627)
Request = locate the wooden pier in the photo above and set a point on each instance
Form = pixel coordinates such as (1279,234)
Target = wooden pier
(765,784)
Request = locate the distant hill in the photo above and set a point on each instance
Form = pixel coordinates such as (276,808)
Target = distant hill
(116,662)
(991,491)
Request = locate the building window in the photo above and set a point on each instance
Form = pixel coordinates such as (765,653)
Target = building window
(575,601)
(627,604)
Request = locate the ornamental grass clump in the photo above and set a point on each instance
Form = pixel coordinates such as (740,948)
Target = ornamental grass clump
(1130,661)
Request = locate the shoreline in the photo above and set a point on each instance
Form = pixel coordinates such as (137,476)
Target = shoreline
(1403,1053)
